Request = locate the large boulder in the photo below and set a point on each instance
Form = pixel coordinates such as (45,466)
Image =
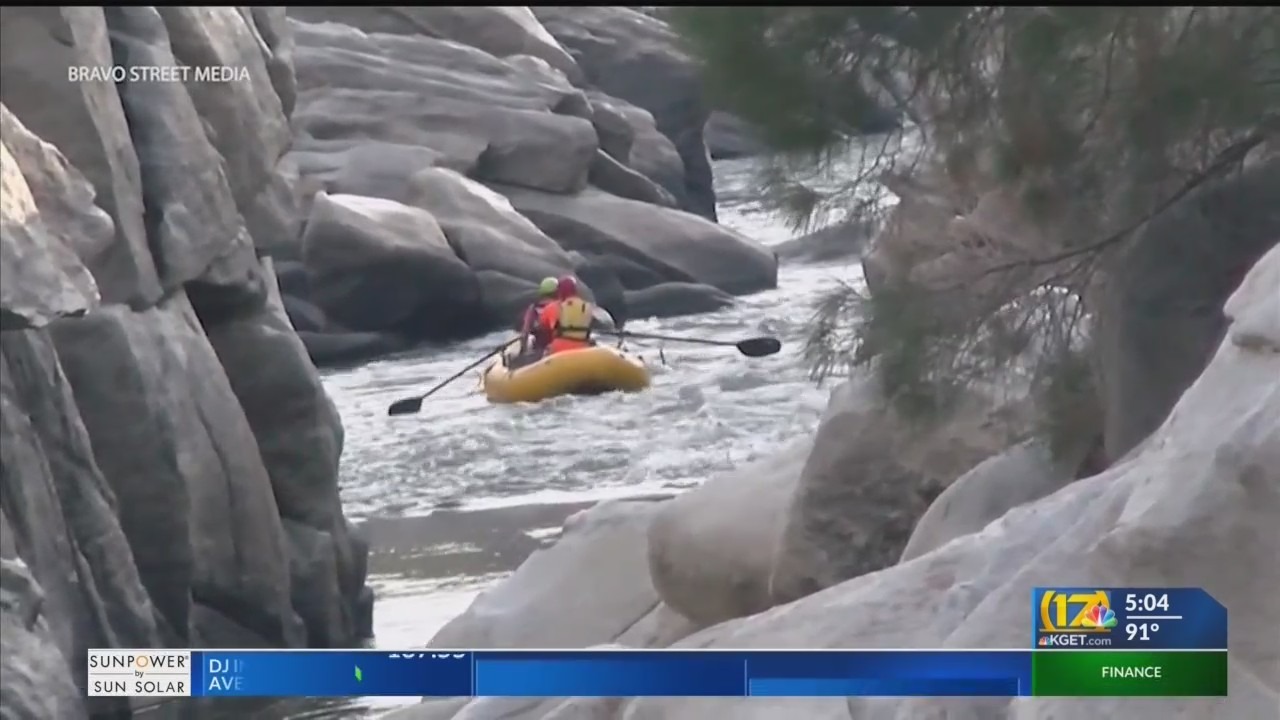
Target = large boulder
(331,349)
(483,229)
(679,246)
(299,435)
(1159,315)
(197,232)
(669,299)
(498,30)
(639,59)
(1195,507)
(610,175)
(711,549)
(61,517)
(39,47)
(379,266)
(195,499)
(44,224)
(591,587)
(871,475)
(494,120)
(628,134)
(1022,474)
(245,119)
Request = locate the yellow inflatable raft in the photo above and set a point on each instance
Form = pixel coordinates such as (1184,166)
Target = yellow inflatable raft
(589,371)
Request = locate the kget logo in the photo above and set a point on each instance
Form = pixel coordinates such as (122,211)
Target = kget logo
(1076,612)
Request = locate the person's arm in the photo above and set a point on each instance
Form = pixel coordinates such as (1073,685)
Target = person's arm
(526,327)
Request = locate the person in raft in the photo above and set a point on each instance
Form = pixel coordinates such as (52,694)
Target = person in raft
(530,328)
(567,320)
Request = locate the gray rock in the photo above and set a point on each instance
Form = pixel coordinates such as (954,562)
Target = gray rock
(835,242)
(677,245)
(711,550)
(303,316)
(612,176)
(1159,315)
(86,121)
(483,229)
(729,136)
(297,427)
(614,129)
(35,678)
(41,276)
(192,220)
(1021,474)
(492,119)
(363,167)
(195,499)
(606,288)
(330,349)
(499,31)
(639,59)
(313,577)
(245,118)
(380,266)
(872,474)
(273,27)
(675,298)
(291,277)
(61,514)
(1194,507)
(647,151)
(587,588)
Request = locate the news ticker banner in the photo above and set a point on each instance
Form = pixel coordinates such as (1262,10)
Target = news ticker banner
(636,673)
(1117,642)
(1127,619)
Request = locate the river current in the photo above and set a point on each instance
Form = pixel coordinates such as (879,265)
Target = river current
(709,409)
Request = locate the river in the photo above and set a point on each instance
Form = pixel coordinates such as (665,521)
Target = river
(464,460)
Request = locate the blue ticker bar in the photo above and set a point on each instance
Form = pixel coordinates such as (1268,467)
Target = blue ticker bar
(1100,618)
(611,673)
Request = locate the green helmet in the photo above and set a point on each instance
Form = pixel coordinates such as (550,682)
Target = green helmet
(547,287)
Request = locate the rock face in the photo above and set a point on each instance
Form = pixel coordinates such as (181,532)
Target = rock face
(435,108)
(869,479)
(499,31)
(678,247)
(552,602)
(711,550)
(829,243)
(637,58)
(132,289)
(378,265)
(1207,480)
(1168,288)
(1021,474)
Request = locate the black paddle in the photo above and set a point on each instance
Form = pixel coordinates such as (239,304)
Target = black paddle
(751,347)
(411,405)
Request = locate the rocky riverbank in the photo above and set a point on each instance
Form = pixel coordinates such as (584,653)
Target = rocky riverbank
(452,157)
(828,544)
(170,457)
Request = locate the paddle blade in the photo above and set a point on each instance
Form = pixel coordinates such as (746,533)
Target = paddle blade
(407,406)
(759,347)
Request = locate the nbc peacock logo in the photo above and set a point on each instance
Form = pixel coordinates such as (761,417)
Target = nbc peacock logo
(1100,617)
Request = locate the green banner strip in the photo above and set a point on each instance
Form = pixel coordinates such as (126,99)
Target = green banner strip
(1066,673)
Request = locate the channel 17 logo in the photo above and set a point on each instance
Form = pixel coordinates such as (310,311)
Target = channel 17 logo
(1076,612)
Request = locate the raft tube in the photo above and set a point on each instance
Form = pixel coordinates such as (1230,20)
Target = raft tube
(589,371)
